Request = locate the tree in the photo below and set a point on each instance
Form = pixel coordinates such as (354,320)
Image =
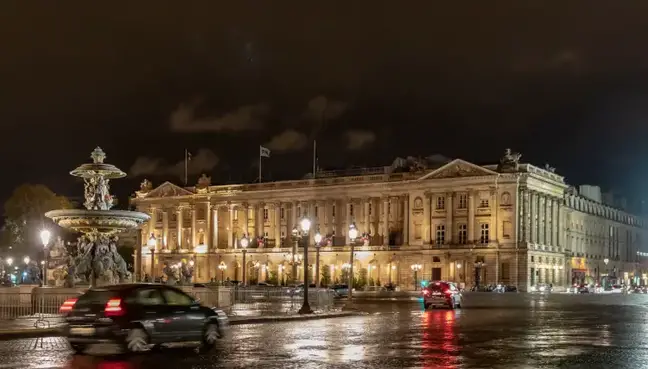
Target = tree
(326,275)
(24,215)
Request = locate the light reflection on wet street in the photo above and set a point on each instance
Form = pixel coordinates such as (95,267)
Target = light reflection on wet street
(492,331)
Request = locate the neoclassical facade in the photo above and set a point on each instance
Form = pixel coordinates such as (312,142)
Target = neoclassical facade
(511,223)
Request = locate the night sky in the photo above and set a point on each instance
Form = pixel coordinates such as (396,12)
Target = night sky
(564,84)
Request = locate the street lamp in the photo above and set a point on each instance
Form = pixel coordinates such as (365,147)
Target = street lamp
(9,261)
(416,268)
(244,244)
(45,236)
(299,234)
(318,244)
(151,243)
(222,268)
(353,234)
(26,260)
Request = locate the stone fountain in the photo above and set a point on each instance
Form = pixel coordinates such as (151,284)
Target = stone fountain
(98,260)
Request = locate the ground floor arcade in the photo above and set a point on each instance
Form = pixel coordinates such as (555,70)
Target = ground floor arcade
(373,266)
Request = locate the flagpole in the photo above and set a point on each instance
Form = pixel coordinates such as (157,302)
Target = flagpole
(260,164)
(314,157)
(186,180)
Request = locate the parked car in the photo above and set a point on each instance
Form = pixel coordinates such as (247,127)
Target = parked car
(341,290)
(542,288)
(441,293)
(139,316)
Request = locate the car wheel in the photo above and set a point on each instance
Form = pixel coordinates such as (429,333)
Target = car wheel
(211,334)
(427,306)
(78,347)
(136,340)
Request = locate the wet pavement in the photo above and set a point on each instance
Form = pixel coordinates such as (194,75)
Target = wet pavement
(491,331)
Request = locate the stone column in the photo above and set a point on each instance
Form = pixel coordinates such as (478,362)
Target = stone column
(554,222)
(539,212)
(179,223)
(231,243)
(152,223)
(548,222)
(246,219)
(214,226)
(277,224)
(533,230)
(427,201)
(193,227)
(208,227)
(347,221)
(330,224)
(365,213)
(559,241)
(385,228)
(494,226)
(165,228)
(471,217)
(526,203)
(406,219)
(521,215)
(449,234)
(312,215)
(260,231)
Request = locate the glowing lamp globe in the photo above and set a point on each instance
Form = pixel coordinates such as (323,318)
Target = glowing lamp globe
(318,238)
(353,233)
(45,237)
(305,224)
(244,242)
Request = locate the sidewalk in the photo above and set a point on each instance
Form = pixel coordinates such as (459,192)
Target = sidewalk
(25,328)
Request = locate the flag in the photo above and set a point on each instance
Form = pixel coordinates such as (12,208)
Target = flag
(264,152)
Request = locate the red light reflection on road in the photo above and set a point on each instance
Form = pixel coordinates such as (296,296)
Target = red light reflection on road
(439,343)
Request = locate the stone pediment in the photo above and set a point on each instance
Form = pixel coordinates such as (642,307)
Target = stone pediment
(458,168)
(168,189)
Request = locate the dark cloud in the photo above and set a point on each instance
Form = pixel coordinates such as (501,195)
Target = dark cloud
(204,160)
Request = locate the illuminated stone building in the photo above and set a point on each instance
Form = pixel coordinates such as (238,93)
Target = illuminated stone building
(510,222)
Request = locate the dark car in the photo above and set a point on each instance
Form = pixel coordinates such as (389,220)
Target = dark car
(441,293)
(139,316)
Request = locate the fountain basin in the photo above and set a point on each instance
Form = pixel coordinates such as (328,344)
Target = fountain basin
(97,221)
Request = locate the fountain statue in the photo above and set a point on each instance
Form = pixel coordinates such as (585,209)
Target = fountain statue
(97,260)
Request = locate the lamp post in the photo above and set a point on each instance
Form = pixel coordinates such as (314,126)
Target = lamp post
(607,276)
(293,254)
(244,244)
(302,233)
(458,265)
(45,236)
(416,268)
(222,268)
(150,243)
(318,240)
(353,233)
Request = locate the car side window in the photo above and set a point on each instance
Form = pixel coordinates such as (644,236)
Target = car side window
(148,297)
(176,298)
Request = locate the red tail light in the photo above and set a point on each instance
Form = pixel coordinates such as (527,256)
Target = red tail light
(426,292)
(448,292)
(67,306)
(114,308)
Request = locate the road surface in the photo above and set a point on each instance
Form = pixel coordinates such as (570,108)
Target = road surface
(492,331)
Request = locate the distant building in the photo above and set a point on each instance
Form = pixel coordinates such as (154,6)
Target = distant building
(511,222)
